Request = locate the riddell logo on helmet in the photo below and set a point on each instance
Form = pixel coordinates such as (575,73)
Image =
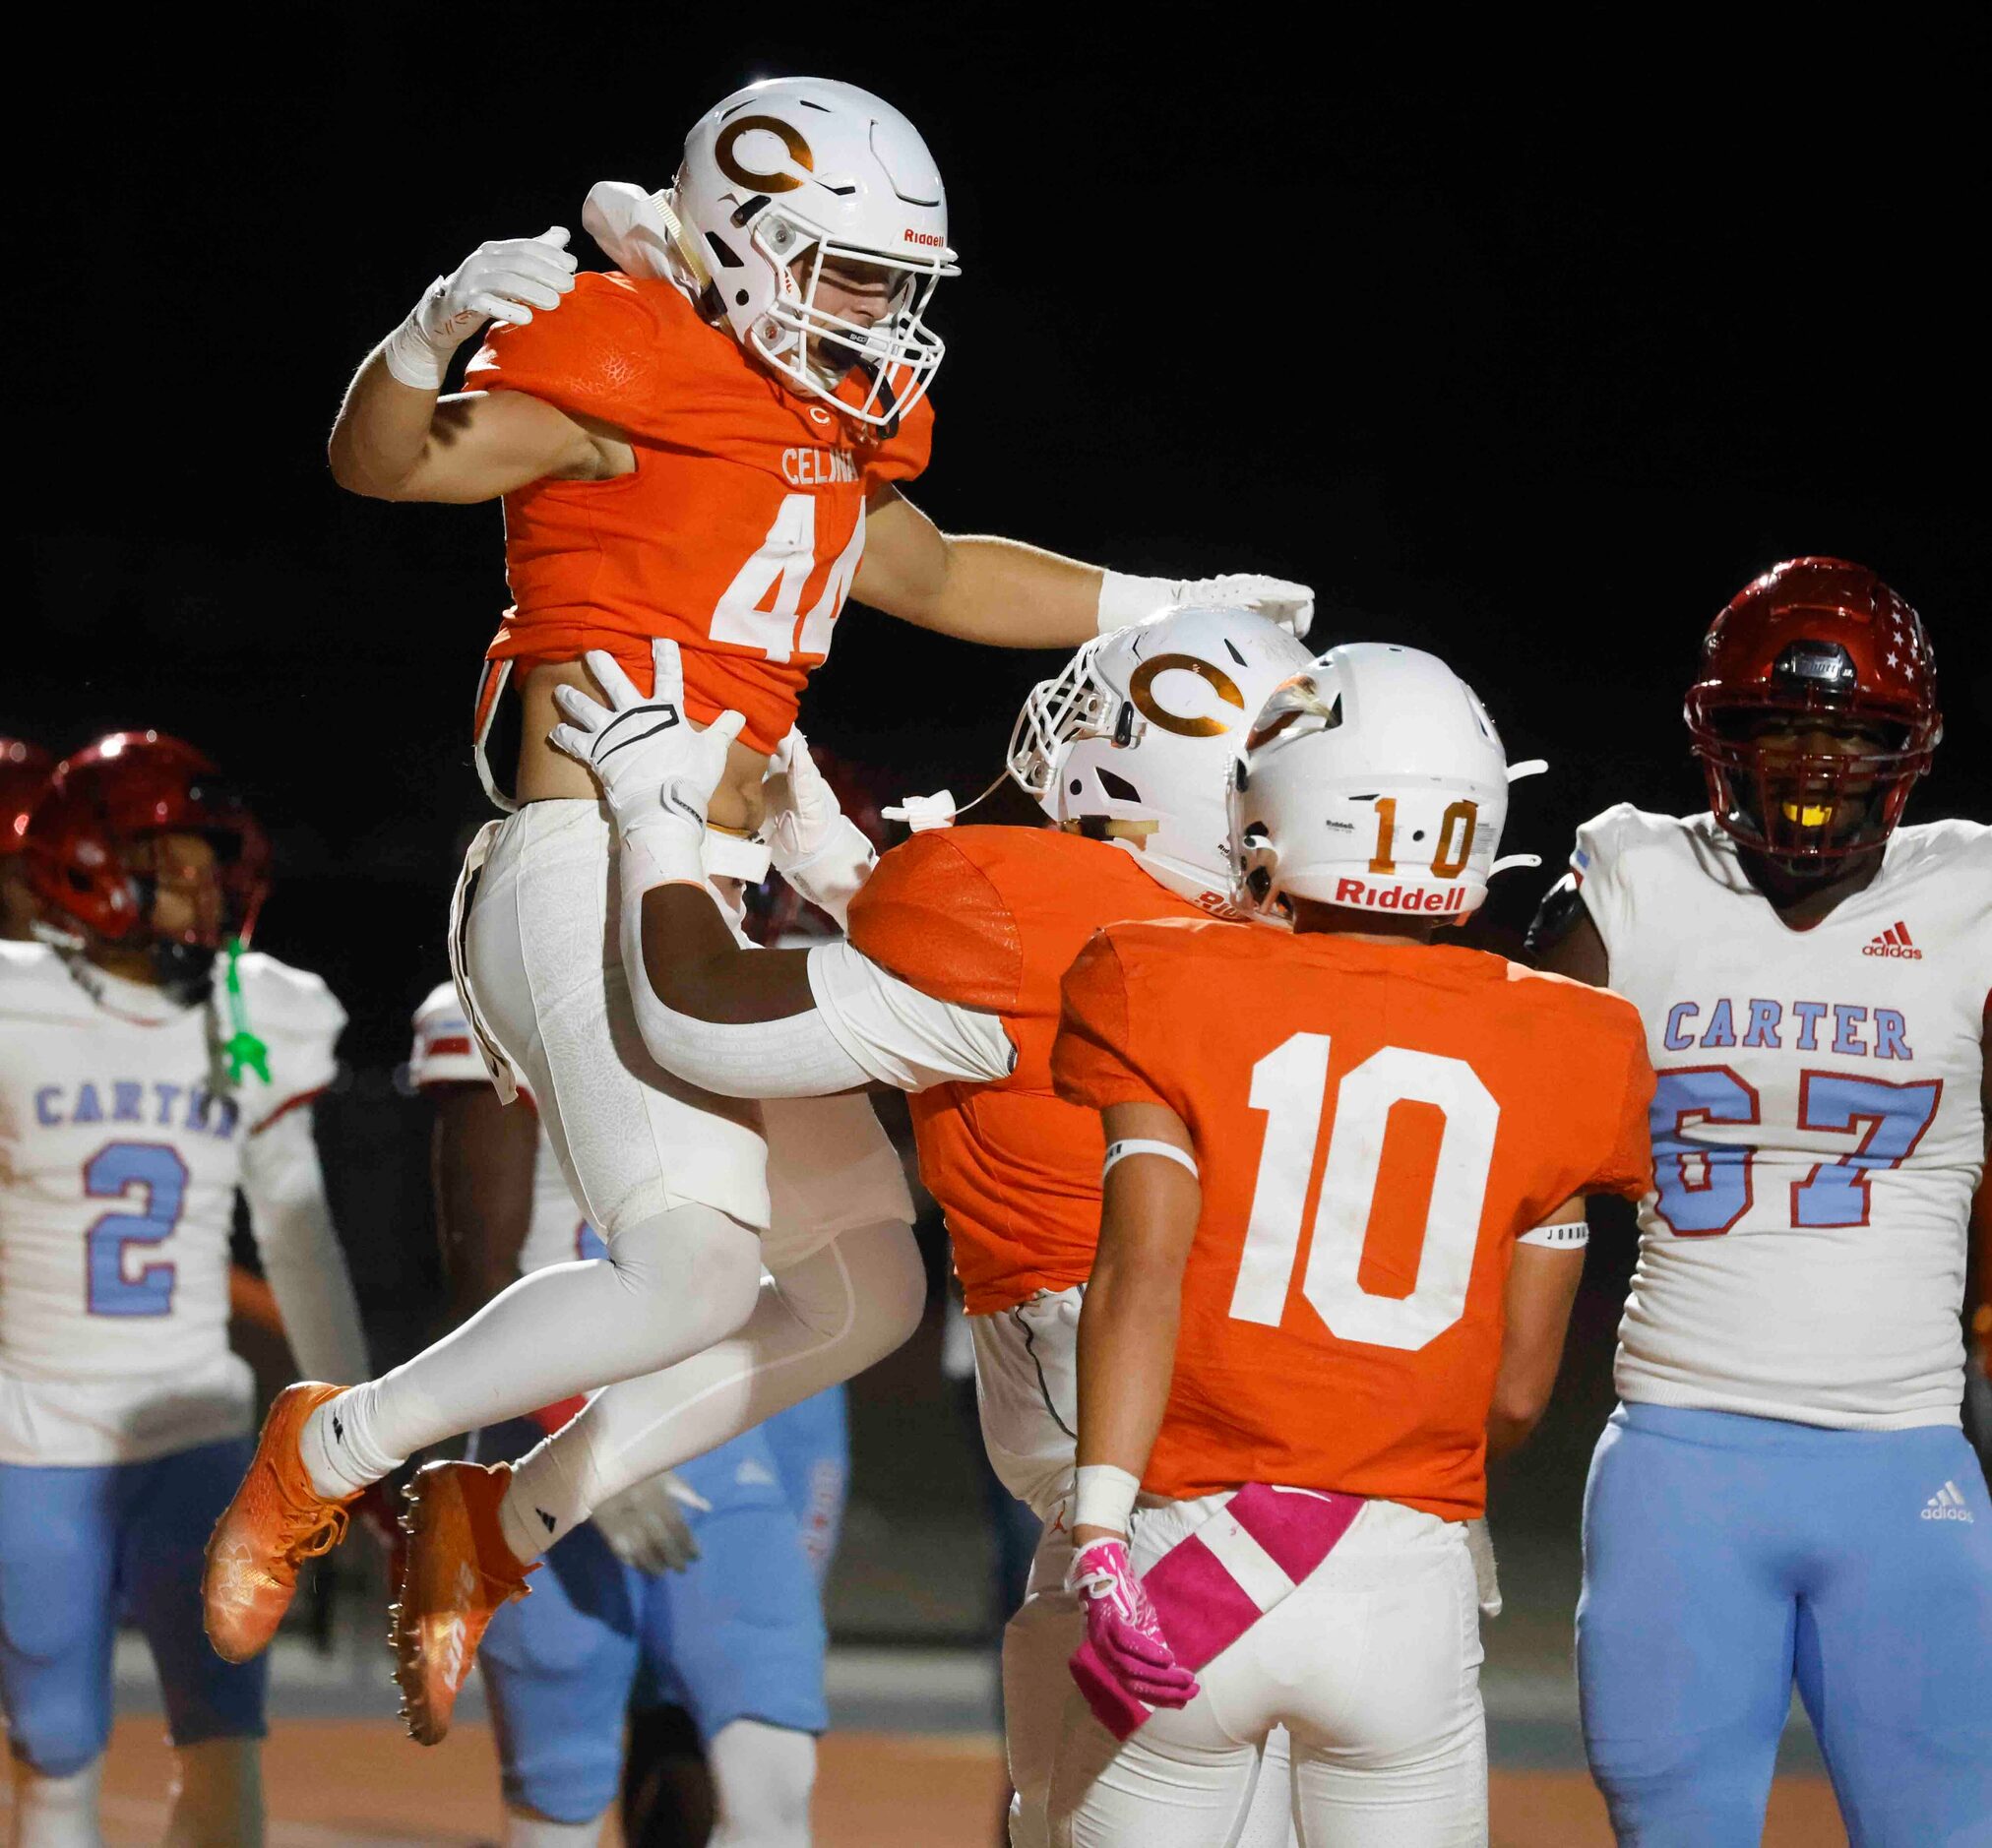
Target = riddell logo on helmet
(924,237)
(1397,898)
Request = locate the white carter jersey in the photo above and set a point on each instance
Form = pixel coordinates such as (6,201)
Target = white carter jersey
(122,1144)
(1818,1133)
(446,1053)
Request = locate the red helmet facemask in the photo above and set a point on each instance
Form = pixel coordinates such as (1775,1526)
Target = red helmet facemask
(93,839)
(1815,646)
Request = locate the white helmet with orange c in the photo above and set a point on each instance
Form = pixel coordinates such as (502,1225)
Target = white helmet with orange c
(778,180)
(1134,741)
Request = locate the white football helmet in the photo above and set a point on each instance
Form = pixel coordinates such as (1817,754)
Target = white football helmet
(775,180)
(1374,780)
(1134,740)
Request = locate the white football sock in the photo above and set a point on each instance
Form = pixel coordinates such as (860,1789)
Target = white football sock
(218,1795)
(762,1780)
(535,1832)
(56,1812)
(819,1323)
(674,1284)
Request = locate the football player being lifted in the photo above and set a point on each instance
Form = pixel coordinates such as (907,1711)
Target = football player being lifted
(1284,1417)
(149,1071)
(1784,1493)
(946,988)
(706,445)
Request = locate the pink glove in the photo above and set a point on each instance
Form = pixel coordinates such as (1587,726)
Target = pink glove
(1122,1631)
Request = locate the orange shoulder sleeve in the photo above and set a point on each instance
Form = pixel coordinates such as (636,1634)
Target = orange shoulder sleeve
(906,453)
(600,354)
(1628,1168)
(936,919)
(1093,1062)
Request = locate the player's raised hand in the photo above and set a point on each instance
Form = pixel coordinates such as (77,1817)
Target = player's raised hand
(645,1525)
(814,846)
(650,762)
(1125,600)
(505,279)
(1277,600)
(1123,1629)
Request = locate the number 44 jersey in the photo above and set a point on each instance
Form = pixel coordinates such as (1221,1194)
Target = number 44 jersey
(1375,1125)
(1818,1132)
(122,1143)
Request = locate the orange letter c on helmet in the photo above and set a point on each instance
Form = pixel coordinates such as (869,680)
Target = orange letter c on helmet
(1140,691)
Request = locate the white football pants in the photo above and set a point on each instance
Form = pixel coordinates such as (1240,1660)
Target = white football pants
(1026,1375)
(677,1182)
(1372,1664)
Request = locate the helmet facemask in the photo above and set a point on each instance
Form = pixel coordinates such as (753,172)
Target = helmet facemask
(1806,809)
(1131,741)
(896,354)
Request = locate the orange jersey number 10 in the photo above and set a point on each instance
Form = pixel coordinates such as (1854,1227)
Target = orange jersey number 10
(1290,1085)
(781,569)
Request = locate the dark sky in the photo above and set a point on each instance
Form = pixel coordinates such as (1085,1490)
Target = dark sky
(1531,352)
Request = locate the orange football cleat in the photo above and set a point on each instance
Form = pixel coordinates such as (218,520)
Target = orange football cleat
(458,1575)
(277,1521)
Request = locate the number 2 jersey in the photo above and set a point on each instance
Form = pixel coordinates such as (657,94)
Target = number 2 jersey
(122,1144)
(1816,1130)
(1375,1126)
(739,531)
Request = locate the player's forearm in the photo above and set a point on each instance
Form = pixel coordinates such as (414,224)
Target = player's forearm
(1013,595)
(1126,1353)
(694,966)
(303,1262)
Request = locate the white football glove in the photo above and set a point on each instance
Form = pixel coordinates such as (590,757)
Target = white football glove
(1124,599)
(505,280)
(645,1525)
(814,846)
(656,773)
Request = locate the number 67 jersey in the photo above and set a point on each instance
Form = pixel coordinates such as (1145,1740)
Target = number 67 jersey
(122,1144)
(1818,1131)
(1375,1125)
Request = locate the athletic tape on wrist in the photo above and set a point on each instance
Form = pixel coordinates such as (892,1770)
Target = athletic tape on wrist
(1144,1145)
(1104,1496)
(410,354)
(1563,1237)
(1125,600)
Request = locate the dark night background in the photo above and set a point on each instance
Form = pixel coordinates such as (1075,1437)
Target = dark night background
(1529,351)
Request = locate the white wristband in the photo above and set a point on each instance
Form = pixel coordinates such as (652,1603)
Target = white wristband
(1141,1145)
(1104,1498)
(1570,1236)
(410,354)
(1124,599)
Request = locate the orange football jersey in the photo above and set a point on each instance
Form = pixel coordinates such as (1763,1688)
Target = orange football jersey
(1375,1126)
(740,528)
(990,918)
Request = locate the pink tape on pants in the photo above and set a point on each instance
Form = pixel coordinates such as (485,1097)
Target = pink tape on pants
(1203,1609)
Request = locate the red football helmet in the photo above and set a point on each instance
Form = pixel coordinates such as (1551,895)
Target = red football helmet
(1815,643)
(86,837)
(24,774)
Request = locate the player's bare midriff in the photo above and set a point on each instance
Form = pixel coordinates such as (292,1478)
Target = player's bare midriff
(546,774)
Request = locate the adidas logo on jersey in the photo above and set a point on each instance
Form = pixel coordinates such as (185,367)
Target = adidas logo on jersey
(753,1475)
(1948,1503)
(1893,942)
